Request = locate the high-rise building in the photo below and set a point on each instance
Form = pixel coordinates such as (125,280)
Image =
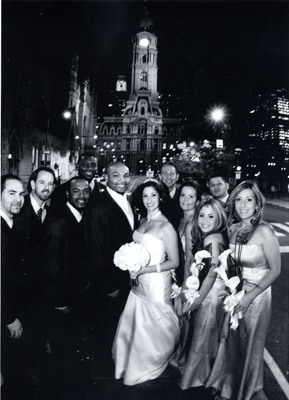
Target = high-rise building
(140,132)
(268,137)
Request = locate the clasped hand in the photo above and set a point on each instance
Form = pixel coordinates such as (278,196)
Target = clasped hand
(15,329)
(243,305)
(134,274)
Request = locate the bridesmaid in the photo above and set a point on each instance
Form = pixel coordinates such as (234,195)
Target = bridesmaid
(190,196)
(256,252)
(209,225)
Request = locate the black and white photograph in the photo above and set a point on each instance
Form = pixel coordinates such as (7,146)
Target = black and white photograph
(144,200)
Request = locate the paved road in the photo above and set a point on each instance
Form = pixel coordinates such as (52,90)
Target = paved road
(89,373)
(277,367)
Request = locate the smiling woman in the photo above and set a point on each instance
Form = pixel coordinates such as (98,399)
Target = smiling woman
(148,329)
(256,252)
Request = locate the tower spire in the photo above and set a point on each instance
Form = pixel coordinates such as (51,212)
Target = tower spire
(146,22)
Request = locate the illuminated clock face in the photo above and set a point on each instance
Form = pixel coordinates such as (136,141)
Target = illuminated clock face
(144,42)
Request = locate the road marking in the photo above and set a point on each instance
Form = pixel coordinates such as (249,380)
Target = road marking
(284,249)
(280,378)
(281,226)
(279,234)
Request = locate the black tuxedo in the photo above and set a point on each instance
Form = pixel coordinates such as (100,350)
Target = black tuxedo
(13,365)
(59,196)
(170,207)
(106,229)
(65,272)
(12,292)
(29,232)
(64,259)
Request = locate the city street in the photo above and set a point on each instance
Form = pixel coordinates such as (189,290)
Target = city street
(89,373)
(277,340)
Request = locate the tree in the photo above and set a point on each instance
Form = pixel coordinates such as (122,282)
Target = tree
(200,161)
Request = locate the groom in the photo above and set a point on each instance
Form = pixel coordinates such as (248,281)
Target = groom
(108,224)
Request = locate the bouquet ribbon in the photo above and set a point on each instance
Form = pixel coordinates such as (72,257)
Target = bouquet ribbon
(176,291)
(191,295)
(230,304)
(231,283)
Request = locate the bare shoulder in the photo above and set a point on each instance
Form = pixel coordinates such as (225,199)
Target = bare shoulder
(168,229)
(214,238)
(265,230)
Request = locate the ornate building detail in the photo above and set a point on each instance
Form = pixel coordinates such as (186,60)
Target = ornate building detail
(139,131)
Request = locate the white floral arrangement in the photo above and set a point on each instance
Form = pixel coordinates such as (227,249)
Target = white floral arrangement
(131,257)
(234,297)
(192,282)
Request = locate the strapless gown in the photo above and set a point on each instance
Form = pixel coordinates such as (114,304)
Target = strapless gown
(238,368)
(148,330)
(200,339)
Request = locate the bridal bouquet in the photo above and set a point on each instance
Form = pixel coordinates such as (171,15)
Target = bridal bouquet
(234,296)
(131,257)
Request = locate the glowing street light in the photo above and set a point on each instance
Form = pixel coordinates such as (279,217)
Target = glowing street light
(217,116)
(67,114)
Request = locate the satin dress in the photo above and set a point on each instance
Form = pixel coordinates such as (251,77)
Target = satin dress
(202,343)
(238,368)
(148,330)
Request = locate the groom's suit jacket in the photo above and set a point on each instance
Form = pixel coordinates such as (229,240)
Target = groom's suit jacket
(106,229)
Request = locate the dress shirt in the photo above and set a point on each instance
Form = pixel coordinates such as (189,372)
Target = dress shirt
(224,199)
(36,207)
(92,184)
(74,211)
(173,192)
(123,203)
(7,218)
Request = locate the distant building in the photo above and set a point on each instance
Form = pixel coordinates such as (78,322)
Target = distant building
(26,142)
(139,134)
(267,156)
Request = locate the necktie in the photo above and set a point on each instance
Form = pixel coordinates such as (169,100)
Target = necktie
(39,214)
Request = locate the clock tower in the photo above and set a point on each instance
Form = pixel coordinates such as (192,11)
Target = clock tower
(144,67)
(139,135)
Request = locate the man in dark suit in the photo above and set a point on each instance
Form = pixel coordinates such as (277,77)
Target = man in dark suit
(87,168)
(169,176)
(108,224)
(64,260)
(28,227)
(12,290)
(219,186)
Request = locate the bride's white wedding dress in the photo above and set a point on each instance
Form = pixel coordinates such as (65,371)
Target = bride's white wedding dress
(148,329)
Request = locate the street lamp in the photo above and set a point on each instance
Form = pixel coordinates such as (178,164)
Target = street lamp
(217,117)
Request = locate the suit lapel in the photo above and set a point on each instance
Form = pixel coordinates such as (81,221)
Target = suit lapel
(118,209)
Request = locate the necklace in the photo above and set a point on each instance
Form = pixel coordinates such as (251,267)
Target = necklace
(154,216)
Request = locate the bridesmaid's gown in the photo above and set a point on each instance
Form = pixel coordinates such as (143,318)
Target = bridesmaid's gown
(238,368)
(148,329)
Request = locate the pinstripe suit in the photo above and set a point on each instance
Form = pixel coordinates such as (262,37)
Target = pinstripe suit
(64,258)
(106,228)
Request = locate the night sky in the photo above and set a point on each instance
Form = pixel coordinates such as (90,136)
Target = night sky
(221,52)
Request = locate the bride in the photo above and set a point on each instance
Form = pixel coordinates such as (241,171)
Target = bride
(148,329)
